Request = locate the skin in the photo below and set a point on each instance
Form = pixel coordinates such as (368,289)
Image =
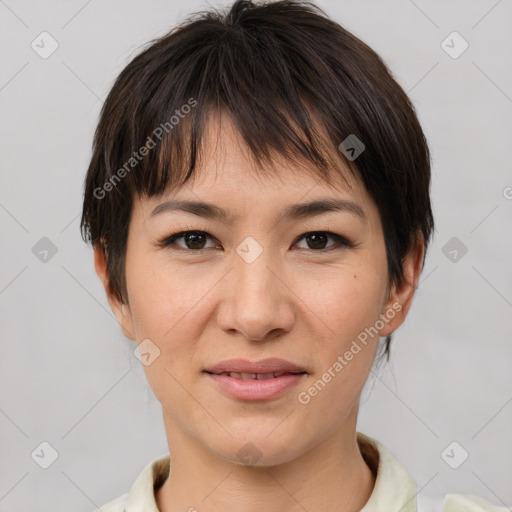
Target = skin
(297,301)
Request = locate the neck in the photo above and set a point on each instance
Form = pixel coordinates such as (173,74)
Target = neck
(330,476)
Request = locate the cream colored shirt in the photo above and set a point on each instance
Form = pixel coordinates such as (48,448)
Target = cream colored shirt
(394,489)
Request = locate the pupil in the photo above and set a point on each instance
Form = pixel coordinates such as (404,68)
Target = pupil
(316,243)
(192,241)
(316,240)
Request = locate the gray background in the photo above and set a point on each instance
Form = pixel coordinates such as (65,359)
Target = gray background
(67,375)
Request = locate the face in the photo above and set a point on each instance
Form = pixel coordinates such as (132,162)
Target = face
(309,289)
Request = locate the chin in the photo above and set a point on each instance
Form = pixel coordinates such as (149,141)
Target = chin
(256,448)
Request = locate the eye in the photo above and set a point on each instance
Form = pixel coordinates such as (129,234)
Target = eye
(318,239)
(195,240)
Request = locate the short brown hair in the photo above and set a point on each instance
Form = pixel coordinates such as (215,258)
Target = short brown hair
(272,67)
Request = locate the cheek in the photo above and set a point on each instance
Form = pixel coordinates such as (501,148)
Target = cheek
(162,310)
(345,301)
(160,297)
(344,306)
(168,307)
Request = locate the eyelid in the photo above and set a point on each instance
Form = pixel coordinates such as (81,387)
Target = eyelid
(168,241)
(182,230)
(340,241)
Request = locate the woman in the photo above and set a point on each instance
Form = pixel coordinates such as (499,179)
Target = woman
(258,202)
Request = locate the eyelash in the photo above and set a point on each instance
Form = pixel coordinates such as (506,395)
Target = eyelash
(168,241)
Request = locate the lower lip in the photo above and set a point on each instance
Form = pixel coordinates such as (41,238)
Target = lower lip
(254,389)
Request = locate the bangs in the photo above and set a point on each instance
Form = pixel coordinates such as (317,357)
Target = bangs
(255,79)
(184,150)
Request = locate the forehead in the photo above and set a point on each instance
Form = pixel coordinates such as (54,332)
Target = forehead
(228,176)
(225,161)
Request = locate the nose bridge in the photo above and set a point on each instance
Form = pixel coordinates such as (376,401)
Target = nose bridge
(253,277)
(259,302)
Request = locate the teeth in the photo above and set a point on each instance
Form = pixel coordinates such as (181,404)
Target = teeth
(257,376)
(263,376)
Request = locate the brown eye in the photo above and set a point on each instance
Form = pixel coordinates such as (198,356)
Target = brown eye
(317,240)
(193,240)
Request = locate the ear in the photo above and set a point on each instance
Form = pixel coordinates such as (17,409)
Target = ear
(401,294)
(119,308)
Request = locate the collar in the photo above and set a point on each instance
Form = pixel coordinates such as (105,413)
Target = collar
(394,488)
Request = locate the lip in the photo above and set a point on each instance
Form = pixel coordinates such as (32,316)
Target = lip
(255,388)
(269,365)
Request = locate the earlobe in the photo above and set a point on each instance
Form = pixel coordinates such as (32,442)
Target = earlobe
(119,308)
(401,294)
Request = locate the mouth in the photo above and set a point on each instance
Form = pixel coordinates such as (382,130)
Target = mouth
(266,379)
(263,369)
(256,376)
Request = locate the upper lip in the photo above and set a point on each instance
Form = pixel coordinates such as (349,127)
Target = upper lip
(269,365)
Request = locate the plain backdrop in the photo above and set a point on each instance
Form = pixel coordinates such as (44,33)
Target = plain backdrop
(69,378)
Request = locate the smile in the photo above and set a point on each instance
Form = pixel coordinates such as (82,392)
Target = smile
(257,376)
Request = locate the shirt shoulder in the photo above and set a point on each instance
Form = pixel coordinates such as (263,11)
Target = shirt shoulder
(469,503)
(458,503)
(141,496)
(394,487)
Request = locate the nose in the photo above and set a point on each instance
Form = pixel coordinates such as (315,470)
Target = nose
(258,303)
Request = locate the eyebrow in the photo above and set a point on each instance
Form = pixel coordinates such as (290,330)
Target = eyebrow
(295,211)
